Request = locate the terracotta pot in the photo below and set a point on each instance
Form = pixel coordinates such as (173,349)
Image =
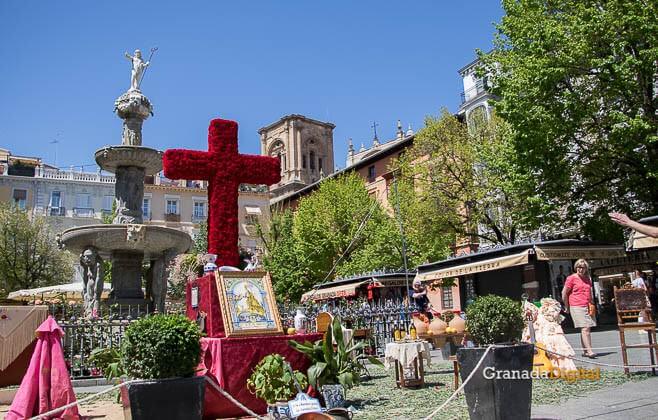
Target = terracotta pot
(438,326)
(458,323)
(421,326)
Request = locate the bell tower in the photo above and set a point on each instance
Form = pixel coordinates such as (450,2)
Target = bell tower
(305,148)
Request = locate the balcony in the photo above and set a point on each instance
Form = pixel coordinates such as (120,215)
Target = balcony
(84,212)
(198,218)
(172,217)
(56,211)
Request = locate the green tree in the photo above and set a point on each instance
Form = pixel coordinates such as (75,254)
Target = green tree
(464,182)
(29,256)
(338,230)
(577,82)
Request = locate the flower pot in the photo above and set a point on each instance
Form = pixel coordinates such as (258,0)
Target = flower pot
(438,326)
(421,326)
(492,397)
(174,399)
(457,323)
(333,395)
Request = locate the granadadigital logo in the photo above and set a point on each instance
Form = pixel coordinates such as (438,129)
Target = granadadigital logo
(579,374)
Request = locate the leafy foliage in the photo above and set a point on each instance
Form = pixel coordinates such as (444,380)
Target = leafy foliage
(272,381)
(494,319)
(465,181)
(339,227)
(29,256)
(161,346)
(108,360)
(332,366)
(576,81)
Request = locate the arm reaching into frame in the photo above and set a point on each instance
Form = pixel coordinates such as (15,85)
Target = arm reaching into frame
(624,220)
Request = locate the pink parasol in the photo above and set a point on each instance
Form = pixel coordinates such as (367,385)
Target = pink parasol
(47,384)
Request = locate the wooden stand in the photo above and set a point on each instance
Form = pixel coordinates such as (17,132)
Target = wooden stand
(419,375)
(631,304)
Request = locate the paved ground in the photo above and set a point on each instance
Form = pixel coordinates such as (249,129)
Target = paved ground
(610,338)
(632,400)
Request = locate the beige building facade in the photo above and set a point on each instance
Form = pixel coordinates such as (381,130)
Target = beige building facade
(69,198)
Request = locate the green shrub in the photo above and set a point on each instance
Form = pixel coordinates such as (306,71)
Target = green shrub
(161,346)
(272,381)
(494,319)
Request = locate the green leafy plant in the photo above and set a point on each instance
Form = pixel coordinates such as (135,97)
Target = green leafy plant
(332,365)
(161,346)
(108,360)
(272,381)
(494,319)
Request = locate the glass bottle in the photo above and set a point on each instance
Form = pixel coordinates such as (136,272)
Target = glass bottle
(412,332)
(397,334)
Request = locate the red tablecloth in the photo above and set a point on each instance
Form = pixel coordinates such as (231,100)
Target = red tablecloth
(230,361)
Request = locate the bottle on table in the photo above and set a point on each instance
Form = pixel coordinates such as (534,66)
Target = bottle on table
(397,334)
(412,332)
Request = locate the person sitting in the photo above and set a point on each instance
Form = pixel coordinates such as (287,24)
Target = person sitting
(418,294)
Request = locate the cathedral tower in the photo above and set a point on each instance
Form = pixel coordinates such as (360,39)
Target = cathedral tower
(305,148)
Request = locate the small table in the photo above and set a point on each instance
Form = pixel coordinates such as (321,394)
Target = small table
(408,358)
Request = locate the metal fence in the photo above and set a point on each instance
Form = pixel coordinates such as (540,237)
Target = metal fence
(82,335)
(378,318)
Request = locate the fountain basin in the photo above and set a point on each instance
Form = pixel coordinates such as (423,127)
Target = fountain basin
(111,157)
(151,240)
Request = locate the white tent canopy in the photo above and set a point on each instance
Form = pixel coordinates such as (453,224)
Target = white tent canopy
(69,291)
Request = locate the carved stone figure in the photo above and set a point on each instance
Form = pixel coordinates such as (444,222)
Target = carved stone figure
(138,69)
(92,279)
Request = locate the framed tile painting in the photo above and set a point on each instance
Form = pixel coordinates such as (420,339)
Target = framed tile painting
(247,303)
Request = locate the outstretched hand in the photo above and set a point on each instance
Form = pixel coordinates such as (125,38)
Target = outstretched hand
(619,218)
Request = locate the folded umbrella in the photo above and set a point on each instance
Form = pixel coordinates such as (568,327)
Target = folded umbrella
(46,385)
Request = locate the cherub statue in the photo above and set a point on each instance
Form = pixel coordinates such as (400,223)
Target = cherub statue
(92,278)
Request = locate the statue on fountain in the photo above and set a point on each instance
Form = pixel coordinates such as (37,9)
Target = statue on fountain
(92,280)
(138,69)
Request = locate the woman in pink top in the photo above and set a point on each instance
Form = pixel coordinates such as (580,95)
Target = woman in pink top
(577,297)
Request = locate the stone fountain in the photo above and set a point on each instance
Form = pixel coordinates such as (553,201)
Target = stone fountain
(127,242)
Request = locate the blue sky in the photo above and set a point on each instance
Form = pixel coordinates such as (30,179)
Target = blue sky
(347,62)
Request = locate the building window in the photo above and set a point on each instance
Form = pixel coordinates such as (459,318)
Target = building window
(199,210)
(20,198)
(446,297)
(83,200)
(146,208)
(172,206)
(108,201)
(371,173)
(319,164)
(311,158)
(304,161)
(252,217)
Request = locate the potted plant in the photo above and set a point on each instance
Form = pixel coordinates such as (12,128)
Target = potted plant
(496,321)
(163,351)
(333,368)
(272,381)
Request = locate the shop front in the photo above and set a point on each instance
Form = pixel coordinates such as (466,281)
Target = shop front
(536,269)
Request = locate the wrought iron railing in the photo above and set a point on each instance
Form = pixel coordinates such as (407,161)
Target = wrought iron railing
(83,334)
(377,318)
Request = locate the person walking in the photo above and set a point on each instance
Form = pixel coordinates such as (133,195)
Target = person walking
(577,298)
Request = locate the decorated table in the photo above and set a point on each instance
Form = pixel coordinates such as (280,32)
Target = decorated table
(408,359)
(230,361)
